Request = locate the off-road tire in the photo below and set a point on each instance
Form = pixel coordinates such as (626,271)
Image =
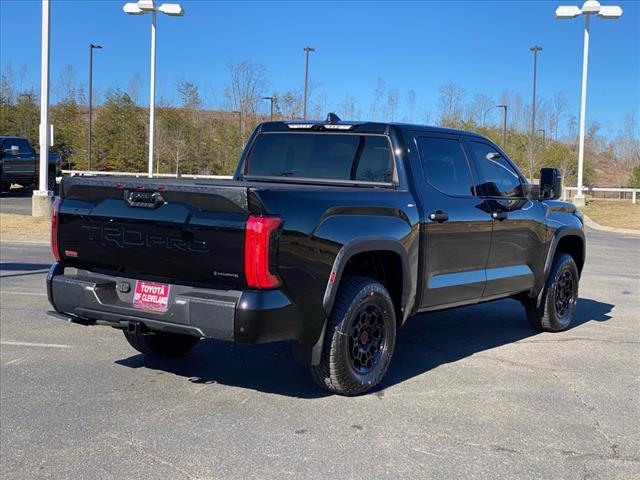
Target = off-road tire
(161,345)
(362,305)
(559,298)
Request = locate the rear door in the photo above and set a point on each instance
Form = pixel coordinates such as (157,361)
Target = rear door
(456,228)
(25,166)
(518,242)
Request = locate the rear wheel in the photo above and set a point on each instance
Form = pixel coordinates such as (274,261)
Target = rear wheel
(559,299)
(161,345)
(360,338)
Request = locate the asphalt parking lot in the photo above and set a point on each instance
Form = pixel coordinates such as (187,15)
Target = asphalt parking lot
(17,201)
(471,393)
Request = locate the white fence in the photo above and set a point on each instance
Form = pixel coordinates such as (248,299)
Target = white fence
(622,193)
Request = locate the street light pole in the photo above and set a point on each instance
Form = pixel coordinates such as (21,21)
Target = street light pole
(152,92)
(41,200)
(306,79)
(140,8)
(504,126)
(590,7)
(91,47)
(532,155)
(271,101)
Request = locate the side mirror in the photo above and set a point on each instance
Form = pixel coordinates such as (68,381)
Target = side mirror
(489,189)
(550,184)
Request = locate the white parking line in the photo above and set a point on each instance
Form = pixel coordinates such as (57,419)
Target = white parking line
(31,294)
(15,361)
(28,344)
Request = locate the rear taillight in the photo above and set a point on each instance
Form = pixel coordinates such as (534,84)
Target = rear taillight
(257,251)
(55,220)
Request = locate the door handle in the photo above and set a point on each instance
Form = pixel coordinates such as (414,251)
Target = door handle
(499,215)
(439,216)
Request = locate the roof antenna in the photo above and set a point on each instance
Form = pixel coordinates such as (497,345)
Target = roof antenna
(333,118)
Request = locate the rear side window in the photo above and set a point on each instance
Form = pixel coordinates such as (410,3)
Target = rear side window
(322,156)
(498,177)
(445,165)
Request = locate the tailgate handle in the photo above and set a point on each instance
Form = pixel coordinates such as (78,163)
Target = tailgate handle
(144,199)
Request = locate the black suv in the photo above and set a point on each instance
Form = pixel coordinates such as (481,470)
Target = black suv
(331,235)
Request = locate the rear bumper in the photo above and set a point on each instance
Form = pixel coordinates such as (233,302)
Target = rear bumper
(249,316)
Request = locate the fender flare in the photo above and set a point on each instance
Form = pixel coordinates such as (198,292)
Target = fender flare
(560,233)
(360,245)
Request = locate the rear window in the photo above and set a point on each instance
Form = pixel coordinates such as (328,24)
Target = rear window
(323,156)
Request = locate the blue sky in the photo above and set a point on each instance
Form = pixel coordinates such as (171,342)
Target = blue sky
(483,46)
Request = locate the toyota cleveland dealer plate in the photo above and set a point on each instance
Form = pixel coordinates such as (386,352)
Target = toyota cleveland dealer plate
(151,296)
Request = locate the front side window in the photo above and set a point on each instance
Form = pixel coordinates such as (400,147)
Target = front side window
(326,156)
(445,165)
(498,177)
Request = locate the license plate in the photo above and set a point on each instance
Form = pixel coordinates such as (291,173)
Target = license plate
(151,296)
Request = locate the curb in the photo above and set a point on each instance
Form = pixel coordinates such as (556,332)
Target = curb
(602,228)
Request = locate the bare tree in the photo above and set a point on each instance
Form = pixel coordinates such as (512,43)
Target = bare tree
(391,108)
(348,108)
(22,75)
(66,85)
(450,103)
(246,88)
(480,109)
(558,106)
(133,89)
(289,104)
(517,115)
(319,106)
(572,130)
(627,142)
(411,104)
(426,115)
(378,93)
(9,90)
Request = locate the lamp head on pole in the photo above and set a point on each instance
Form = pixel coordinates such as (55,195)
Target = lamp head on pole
(172,9)
(590,7)
(95,46)
(147,6)
(132,9)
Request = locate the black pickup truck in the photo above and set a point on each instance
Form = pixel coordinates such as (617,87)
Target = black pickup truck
(19,164)
(330,235)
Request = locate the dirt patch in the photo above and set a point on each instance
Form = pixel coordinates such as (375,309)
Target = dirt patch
(614,213)
(24,227)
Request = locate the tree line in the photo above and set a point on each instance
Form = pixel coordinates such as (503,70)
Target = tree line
(193,138)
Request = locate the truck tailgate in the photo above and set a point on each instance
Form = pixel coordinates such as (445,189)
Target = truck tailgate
(177,231)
